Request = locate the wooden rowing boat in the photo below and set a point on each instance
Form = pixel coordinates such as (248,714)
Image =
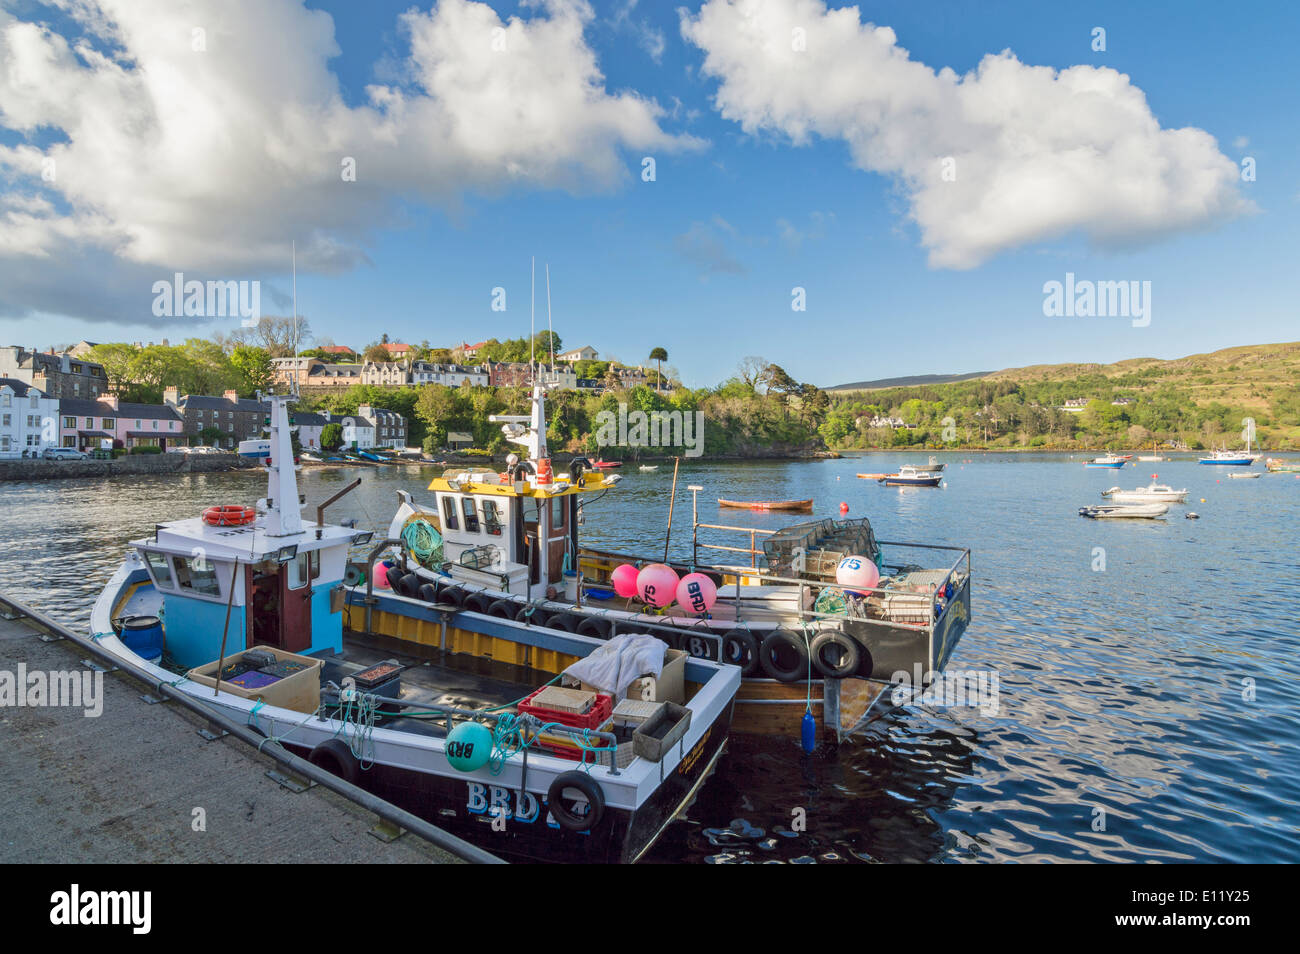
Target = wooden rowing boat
(798,505)
(873,476)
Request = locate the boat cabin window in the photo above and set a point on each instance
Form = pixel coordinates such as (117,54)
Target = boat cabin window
(558,507)
(159,570)
(471,514)
(449,518)
(306,567)
(492,517)
(196,574)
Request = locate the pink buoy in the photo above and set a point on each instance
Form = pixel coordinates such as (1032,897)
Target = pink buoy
(696,593)
(856,572)
(379,573)
(624,580)
(656,584)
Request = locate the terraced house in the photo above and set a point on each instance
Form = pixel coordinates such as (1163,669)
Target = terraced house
(239,419)
(27,419)
(55,375)
(85,425)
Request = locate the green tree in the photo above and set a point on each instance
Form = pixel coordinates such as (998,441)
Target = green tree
(331,436)
(658,356)
(253,369)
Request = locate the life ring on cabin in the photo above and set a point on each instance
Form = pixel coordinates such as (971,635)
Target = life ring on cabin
(229,515)
(849,656)
(334,756)
(568,819)
(783,656)
(740,648)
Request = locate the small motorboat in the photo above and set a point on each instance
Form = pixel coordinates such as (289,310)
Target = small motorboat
(606,464)
(873,476)
(911,477)
(1151,493)
(1109,460)
(1149,511)
(934,466)
(800,506)
(1254,476)
(1277,465)
(648,468)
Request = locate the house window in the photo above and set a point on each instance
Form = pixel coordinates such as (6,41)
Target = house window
(36,401)
(69,422)
(155,425)
(449,519)
(137,424)
(8,419)
(8,401)
(90,423)
(109,423)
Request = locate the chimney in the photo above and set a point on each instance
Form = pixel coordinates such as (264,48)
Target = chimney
(171,396)
(231,395)
(109,399)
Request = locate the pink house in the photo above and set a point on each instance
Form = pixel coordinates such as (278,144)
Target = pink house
(84,424)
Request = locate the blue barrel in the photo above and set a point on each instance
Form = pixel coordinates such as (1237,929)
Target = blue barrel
(143,635)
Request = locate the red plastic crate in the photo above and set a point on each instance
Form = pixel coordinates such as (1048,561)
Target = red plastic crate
(598,715)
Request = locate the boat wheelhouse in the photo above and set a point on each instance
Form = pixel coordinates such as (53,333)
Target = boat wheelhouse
(249,610)
(507,545)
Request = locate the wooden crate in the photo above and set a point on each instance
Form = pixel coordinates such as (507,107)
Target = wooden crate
(299,692)
(577,701)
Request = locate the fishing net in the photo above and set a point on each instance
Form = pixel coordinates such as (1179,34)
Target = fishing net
(424,541)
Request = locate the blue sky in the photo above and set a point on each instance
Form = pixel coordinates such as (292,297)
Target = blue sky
(703,260)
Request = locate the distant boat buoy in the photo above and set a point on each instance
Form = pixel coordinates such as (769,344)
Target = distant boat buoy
(1192,515)
(844,507)
(1202,500)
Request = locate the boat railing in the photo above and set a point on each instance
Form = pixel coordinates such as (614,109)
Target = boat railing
(752,549)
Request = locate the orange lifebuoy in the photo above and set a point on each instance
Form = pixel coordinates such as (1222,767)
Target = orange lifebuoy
(231,515)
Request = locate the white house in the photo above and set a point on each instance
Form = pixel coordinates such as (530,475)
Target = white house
(450,375)
(374,427)
(29,421)
(585,353)
(309,426)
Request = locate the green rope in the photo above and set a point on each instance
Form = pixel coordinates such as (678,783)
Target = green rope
(424,541)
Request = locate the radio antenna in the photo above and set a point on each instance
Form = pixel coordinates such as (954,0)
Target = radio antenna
(550,333)
(532,322)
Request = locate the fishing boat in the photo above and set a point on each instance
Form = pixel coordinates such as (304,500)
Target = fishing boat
(1276,465)
(507,545)
(648,468)
(1149,511)
(798,506)
(1151,493)
(1109,460)
(909,476)
(444,709)
(934,466)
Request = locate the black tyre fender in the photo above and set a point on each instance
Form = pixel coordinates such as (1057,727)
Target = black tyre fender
(784,643)
(538,616)
(394,577)
(565,621)
(334,756)
(452,595)
(428,592)
(477,602)
(408,585)
(740,648)
(594,626)
(569,820)
(849,655)
(502,609)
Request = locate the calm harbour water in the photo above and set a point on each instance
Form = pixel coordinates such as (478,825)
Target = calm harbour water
(1123,692)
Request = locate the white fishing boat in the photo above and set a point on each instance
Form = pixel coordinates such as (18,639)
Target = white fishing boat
(445,710)
(1150,511)
(1107,460)
(1151,493)
(910,476)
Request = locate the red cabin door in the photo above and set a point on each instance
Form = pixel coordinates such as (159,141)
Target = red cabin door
(295,611)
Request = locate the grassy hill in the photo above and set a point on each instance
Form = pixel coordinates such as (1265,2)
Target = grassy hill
(1200,399)
(905,382)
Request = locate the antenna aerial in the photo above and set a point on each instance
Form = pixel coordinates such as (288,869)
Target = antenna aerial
(550,334)
(293,245)
(532,322)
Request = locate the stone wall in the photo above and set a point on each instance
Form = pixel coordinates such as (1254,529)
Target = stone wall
(131,464)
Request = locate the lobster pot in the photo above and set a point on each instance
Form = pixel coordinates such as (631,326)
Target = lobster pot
(143,635)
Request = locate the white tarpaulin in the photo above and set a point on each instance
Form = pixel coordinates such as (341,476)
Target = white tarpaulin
(613,665)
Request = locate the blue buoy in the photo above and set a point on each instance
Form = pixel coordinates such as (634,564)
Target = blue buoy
(808,732)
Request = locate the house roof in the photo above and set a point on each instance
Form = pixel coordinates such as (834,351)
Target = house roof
(20,388)
(310,418)
(160,412)
(336,349)
(208,402)
(460,436)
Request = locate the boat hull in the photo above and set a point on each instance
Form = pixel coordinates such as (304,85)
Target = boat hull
(789,506)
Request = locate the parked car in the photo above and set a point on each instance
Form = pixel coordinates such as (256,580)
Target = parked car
(64,453)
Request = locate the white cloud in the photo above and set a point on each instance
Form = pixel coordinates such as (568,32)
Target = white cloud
(169,157)
(1037,153)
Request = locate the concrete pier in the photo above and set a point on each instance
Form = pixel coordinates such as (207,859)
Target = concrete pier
(124,786)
